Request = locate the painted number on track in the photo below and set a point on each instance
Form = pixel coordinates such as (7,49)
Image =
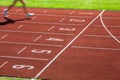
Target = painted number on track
(54,39)
(41,51)
(23,67)
(67,29)
(77,20)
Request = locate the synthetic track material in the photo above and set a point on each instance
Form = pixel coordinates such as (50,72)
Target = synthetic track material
(59,44)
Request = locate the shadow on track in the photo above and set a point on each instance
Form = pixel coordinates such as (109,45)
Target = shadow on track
(11,21)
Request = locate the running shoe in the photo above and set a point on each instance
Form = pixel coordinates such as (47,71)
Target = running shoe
(5,12)
(30,14)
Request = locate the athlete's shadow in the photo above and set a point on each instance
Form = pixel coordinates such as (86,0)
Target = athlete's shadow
(11,21)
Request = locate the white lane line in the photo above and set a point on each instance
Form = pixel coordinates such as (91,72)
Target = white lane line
(101,36)
(72,12)
(33,44)
(37,75)
(4,36)
(107,26)
(117,40)
(36,32)
(55,15)
(62,19)
(85,13)
(80,16)
(52,23)
(37,38)
(51,28)
(18,10)
(97,48)
(28,58)
(3,64)
(19,26)
(21,50)
(111,17)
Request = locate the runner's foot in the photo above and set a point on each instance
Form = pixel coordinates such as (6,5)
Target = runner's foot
(30,14)
(5,12)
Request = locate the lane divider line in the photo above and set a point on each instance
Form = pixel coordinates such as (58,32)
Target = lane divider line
(97,48)
(28,58)
(43,14)
(107,26)
(86,13)
(35,32)
(33,44)
(100,36)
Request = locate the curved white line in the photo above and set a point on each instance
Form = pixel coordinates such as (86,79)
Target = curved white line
(108,30)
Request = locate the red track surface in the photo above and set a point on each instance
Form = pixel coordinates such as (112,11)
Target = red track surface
(61,44)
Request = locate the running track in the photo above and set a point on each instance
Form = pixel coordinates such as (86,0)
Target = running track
(58,44)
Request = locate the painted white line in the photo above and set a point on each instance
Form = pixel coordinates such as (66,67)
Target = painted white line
(44,11)
(51,28)
(19,26)
(55,15)
(33,44)
(101,36)
(37,38)
(82,17)
(111,17)
(4,36)
(28,58)
(3,64)
(108,30)
(37,75)
(36,32)
(86,13)
(97,48)
(108,26)
(52,23)
(62,19)
(18,10)
(21,50)
(72,12)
